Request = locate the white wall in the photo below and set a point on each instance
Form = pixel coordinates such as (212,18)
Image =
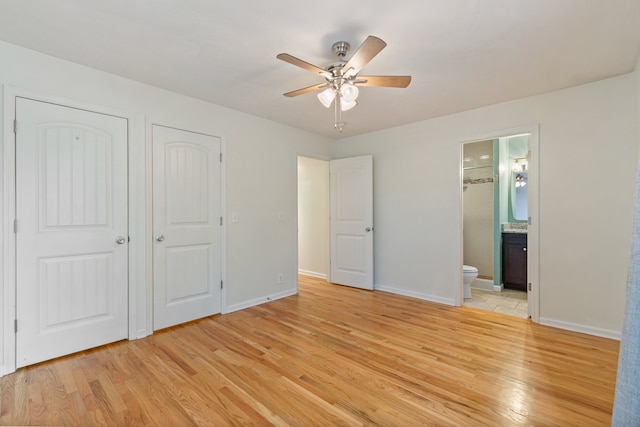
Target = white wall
(586,132)
(313,217)
(584,231)
(260,163)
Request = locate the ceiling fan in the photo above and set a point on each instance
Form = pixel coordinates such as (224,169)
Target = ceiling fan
(341,77)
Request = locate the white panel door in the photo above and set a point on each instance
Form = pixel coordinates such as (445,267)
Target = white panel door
(351,183)
(71,241)
(186,226)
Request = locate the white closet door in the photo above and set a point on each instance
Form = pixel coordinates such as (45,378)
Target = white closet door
(71,210)
(186,226)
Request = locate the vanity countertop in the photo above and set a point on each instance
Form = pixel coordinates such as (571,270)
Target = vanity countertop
(515,227)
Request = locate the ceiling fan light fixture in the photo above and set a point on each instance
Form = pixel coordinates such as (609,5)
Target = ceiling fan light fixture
(347,105)
(349,92)
(341,76)
(326,97)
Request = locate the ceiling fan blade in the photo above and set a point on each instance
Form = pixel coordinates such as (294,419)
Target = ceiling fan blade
(305,90)
(302,64)
(365,53)
(383,81)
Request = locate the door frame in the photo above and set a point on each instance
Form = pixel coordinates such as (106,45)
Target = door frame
(533,243)
(328,159)
(316,156)
(327,248)
(148,296)
(136,230)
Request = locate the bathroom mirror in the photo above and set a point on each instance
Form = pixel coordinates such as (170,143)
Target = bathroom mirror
(518,152)
(519,193)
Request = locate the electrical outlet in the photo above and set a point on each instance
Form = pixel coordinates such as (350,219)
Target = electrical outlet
(280,278)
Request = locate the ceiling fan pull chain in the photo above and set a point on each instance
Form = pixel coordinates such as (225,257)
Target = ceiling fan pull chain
(338,113)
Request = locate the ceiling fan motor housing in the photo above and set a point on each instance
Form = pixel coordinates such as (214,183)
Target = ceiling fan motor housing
(335,68)
(340,48)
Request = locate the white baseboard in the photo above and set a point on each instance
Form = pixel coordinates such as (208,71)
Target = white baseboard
(312,274)
(257,301)
(575,327)
(419,295)
(485,284)
(142,333)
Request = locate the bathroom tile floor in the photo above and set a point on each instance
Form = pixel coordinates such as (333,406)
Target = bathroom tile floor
(509,302)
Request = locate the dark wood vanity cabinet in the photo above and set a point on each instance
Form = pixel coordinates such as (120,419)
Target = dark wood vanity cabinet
(514,261)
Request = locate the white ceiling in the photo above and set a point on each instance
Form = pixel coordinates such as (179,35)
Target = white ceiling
(462,54)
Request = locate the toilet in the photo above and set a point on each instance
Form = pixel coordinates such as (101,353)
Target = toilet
(469,274)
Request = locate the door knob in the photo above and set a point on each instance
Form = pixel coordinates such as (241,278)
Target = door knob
(120,240)
(368,229)
(524,249)
(159,238)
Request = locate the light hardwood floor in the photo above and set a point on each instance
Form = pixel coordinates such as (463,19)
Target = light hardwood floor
(331,355)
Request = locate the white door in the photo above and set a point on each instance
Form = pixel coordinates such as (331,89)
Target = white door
(351,182)
(186,226)
(71,240)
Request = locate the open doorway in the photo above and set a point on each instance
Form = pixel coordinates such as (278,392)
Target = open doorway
(335,216)
(495,204)
(313,217)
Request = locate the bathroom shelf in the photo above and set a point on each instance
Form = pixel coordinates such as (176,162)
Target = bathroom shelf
(477,167)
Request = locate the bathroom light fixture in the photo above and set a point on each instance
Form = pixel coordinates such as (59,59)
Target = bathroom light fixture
(520,181)
(519,165)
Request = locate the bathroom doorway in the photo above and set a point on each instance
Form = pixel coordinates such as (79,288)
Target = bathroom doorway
(495,224)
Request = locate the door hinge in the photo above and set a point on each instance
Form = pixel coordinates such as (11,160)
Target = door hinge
(529,220)
(529,286)
(15,226)
(220,220)
(15,126)
(220,157)
(221,284)
(15,325)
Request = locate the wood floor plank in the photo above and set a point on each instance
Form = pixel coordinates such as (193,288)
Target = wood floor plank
(331,355)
